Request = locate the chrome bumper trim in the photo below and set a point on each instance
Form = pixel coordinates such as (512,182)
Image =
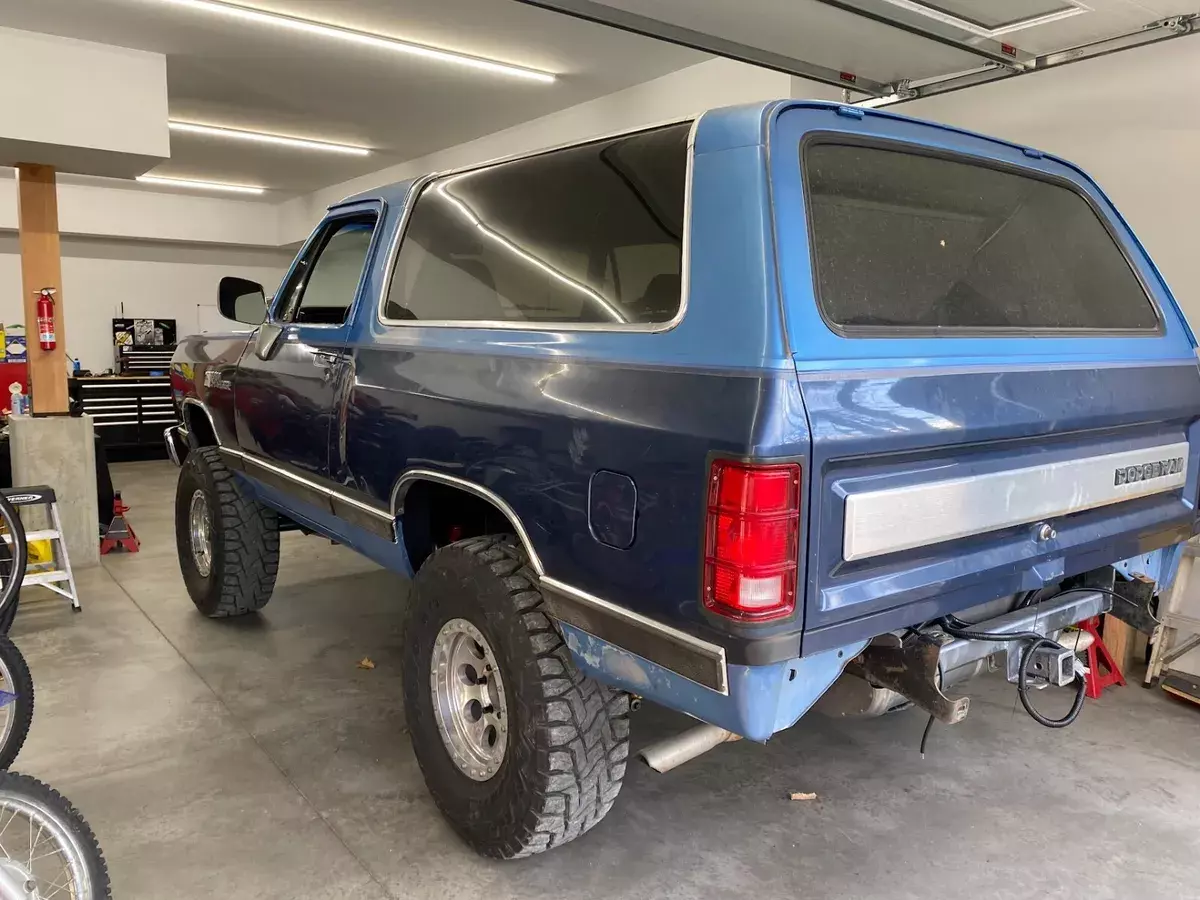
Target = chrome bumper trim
(675,650)
(171,436)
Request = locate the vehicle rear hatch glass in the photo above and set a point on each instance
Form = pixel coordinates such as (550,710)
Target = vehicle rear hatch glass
(917,242)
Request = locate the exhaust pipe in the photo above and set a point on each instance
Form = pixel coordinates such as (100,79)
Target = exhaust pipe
(665,755)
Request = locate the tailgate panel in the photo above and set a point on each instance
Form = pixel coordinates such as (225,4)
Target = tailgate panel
(881,520)
(927,485)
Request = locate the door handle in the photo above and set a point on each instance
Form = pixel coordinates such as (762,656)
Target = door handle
(326,359)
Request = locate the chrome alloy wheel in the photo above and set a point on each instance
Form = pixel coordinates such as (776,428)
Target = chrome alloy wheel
(200,528)
(469,704)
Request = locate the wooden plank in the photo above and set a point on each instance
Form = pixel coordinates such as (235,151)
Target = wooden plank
(41,266)
(1119,639)
(1182,686)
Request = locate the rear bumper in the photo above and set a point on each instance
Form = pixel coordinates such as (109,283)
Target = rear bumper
(649,659)
(177,445)
(921,669)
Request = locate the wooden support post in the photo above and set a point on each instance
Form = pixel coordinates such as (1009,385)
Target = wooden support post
(41,266)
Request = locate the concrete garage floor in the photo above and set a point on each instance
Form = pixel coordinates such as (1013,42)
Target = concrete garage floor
(252,758)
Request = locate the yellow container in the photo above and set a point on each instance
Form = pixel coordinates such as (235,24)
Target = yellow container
(39,552)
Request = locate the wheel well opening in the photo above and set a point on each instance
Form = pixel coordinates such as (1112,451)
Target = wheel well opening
(439,514)
(200,429)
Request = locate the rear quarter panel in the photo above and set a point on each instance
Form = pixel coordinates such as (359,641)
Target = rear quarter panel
(532,415)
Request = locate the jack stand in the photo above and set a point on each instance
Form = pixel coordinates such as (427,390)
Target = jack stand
(119,532)
(1097,656)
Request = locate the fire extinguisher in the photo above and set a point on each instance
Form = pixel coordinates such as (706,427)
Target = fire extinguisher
(45,318)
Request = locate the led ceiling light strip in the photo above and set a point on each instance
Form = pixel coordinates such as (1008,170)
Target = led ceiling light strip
(263,138)
(363,38)
(201,185)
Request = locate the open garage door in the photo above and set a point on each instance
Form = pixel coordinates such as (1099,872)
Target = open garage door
(888,51)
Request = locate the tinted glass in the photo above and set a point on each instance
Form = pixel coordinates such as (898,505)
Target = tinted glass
(908,241)
(323,286)
(590,234)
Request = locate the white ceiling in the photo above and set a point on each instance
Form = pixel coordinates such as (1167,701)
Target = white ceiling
(242,75)
(820,33)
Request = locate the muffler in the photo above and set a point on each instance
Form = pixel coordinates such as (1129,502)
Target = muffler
(665,755)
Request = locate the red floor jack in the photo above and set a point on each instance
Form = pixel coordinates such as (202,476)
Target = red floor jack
(119,532)
(1097,656)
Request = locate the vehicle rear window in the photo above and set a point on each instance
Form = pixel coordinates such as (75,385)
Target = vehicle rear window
(908,241)
(591,234)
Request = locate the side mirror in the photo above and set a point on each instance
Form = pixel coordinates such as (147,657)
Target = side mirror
(242,300)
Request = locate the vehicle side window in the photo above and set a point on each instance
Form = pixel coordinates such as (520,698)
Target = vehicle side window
(590,234)
(322,288)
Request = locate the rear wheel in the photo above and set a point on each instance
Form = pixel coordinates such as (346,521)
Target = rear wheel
(228,542)
(520,751)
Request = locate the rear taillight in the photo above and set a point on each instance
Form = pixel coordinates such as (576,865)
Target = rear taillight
(752,539)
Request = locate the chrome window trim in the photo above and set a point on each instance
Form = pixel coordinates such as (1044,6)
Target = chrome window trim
(411,475)
(713,652)
(420,184)
(332,214)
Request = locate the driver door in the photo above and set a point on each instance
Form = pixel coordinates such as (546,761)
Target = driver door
(286,382)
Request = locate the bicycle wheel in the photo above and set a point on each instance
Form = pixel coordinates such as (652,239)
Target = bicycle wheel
(13,558)
(16,702)
(47,849)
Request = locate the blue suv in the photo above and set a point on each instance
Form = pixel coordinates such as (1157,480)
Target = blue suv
(790,404)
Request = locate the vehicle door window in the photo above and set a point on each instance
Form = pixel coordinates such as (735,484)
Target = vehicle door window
(322,288)
(591,234)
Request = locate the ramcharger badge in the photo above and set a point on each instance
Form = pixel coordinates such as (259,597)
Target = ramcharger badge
(1157,469)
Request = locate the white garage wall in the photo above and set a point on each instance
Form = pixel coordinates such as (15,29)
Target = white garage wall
(153,280)
(107,207)
(718,82)
(1131,120)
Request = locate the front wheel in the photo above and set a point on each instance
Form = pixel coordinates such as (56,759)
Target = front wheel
(47,849)
(228,542)
(520,751)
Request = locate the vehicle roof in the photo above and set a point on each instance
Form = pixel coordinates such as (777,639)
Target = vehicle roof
(720,129)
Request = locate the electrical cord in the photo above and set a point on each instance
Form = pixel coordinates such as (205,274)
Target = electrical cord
(952,626)
(956,627)
(925,735)
(1023,688)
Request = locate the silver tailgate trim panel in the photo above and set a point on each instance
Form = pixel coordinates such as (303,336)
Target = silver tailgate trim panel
(895,519)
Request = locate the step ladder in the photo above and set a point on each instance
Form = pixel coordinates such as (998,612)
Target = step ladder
(54,574)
